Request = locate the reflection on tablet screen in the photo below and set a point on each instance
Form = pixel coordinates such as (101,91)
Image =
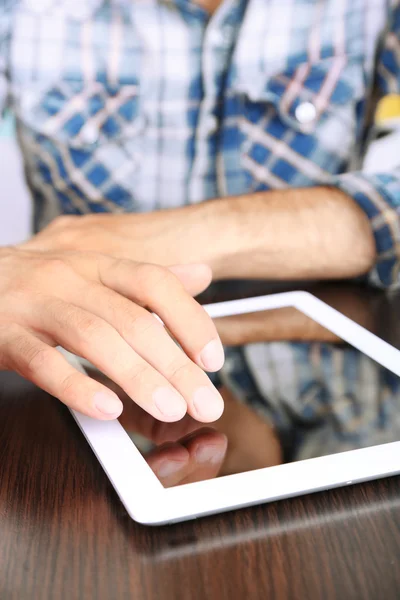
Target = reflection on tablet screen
(292,391)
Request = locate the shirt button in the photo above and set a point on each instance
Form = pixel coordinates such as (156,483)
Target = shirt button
(305,113)
(216,37)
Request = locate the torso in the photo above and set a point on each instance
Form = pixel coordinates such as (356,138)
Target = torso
(146,105)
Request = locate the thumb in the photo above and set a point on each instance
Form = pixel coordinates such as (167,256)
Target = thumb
(195,278)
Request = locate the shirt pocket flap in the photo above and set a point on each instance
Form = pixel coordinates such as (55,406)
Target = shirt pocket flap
(82,115)
(310,92)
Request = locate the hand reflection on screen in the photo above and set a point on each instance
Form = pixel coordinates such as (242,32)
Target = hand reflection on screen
(195,458)
(186,451)
(181,452)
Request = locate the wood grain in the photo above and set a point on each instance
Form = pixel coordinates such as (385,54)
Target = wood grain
(65,535)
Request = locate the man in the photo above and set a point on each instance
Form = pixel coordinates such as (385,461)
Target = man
(127,107)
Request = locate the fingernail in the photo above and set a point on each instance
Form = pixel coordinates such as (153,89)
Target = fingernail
(109,405)
(211,454)
(212,356)
(208,404)
(169,467)
(169,403)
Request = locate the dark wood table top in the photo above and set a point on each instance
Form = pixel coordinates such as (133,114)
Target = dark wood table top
(65,535)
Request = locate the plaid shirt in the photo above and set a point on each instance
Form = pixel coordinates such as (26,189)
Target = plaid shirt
(127,105)
(321,398)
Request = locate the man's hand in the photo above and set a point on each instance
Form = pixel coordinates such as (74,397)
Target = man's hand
(166,237)
(184,452)
(95,306)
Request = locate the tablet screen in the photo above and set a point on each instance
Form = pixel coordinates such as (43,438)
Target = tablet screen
(292,391)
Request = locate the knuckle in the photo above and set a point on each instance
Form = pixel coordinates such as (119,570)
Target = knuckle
(139,373)
(92,327)
(179,368)
(68,384)
(81,324)
(56,267)
(137,326)
(95,334)
(35,358)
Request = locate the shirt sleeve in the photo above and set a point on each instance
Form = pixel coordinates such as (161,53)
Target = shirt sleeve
(379,194)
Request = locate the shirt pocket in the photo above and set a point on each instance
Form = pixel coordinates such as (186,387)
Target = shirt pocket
(82,144)
(81,115)
(301,126)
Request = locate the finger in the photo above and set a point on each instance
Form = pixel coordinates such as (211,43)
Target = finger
(207,450)
(157,288)
(47,368)
(169,463)
(195,459)
(194,278)
(149,339)
(92,338)
(135,420)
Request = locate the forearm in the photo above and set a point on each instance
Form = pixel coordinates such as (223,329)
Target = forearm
(310,233)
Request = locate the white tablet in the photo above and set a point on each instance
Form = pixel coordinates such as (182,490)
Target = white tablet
(312,402)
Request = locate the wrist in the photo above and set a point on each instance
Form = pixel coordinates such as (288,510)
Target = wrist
(241,232)
(223,235)
(203,233)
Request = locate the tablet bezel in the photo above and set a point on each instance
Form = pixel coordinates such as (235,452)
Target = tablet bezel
(152,504)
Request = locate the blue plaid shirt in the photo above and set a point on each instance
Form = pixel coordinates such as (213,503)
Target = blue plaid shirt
(127,105)
(321,398)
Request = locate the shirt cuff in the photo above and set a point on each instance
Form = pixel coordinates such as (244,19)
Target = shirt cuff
(379,197)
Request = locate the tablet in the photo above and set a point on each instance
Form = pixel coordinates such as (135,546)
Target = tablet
(312,401)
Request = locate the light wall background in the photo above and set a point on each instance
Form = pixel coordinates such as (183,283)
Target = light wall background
(15,205)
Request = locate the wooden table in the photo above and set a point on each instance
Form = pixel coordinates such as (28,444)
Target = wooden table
(65,535)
